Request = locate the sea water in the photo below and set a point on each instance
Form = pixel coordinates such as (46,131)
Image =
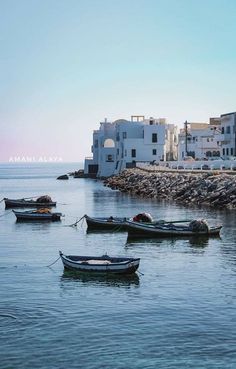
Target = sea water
(179,313)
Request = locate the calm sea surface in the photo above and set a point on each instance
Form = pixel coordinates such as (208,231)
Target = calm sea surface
(179,314)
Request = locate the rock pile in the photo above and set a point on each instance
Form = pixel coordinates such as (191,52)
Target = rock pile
(202,189)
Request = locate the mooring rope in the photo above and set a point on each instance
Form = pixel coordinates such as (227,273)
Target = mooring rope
(6,213)
(8,316)
(75,224)
(139,272)
(53,262)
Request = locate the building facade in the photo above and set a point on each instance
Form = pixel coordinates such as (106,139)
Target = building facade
(200,140)
(228,135)
(121,144)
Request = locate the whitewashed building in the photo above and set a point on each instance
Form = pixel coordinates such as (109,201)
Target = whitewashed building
(228,135)
(200,140)
(121,144)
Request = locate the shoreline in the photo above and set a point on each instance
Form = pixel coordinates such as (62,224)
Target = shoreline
(214,190)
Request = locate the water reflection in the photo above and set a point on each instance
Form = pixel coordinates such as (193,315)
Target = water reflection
(34,226)
(144,241)
(69,277)
(201,241)
(102,231)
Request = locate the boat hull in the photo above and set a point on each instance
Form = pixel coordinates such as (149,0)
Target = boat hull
(9,203)
(117,224)
(100,265)
(136,230)
(27,216)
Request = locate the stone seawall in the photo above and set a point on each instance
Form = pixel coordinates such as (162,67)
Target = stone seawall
(202,189)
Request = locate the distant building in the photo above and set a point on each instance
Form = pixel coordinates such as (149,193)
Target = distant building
(228,135)
(120,144)
(200,140)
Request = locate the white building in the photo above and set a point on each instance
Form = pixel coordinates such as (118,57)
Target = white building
(120,144)
(228,135)
(199,140)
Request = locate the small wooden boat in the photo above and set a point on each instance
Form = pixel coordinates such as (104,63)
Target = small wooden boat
(194,228)
(37,215)
(42,201)
(120,223)
(109,223)
(101,265)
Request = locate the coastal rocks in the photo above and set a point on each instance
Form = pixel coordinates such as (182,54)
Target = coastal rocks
(201,189)
(64,176)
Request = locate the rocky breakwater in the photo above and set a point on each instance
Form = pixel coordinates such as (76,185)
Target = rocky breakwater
(203,189)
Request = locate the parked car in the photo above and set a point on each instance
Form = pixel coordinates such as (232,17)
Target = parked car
(188,158)
(205,167)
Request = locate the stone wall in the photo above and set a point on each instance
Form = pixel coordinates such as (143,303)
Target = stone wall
(202,189)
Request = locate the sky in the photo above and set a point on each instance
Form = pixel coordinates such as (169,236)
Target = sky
(65,65)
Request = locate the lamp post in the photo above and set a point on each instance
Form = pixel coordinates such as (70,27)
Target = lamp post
(186,136)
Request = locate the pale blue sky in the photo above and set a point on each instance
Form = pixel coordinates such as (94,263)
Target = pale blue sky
(67,64)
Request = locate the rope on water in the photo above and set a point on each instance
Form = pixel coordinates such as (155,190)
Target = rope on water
(53,262)
(75,224)
(6,213)
(139,272)
(8,316)
(82,222)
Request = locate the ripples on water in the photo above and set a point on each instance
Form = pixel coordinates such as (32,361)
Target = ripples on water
(179,313)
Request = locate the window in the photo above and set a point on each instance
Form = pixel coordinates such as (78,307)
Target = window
(208,140)
(227,151)
(223,130)
(223,151)
(154,152)
(118,151)
(154,137)
(231,151)
(228,129)
(216,153)
(96,144)
(191,153)
(133,153)
(109,157)
(109,143)
(124,135)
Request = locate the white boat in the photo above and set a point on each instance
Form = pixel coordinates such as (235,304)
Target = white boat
(100,264)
